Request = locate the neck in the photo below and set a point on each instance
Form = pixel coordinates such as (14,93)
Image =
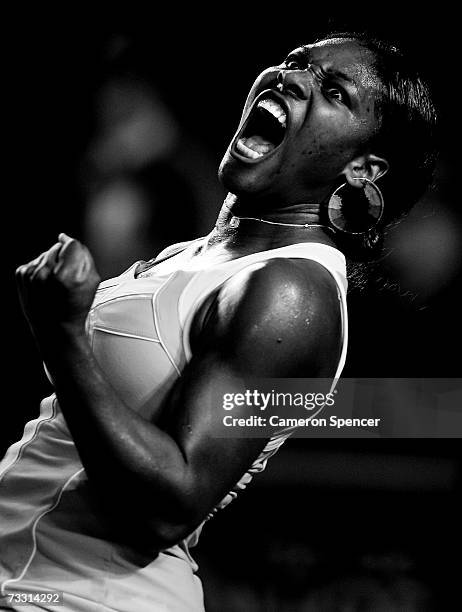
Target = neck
(300,212)
(287,225)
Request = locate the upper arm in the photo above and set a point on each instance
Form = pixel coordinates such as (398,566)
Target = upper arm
(277,319)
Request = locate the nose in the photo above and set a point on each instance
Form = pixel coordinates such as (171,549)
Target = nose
(294,82)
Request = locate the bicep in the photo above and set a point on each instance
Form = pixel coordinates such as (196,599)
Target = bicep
(268,322)
(215,460)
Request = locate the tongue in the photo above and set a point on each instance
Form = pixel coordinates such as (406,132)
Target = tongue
(259,144)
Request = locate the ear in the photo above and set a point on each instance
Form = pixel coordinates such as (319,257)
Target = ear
(365,166)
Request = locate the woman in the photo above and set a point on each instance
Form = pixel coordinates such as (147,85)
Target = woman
(110,486)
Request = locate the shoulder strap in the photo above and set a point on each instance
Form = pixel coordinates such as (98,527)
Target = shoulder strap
(165,254)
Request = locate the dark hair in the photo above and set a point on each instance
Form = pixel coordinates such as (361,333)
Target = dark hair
(408,124)
(406,136)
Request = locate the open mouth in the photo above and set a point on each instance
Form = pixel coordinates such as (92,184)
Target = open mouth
(264,129)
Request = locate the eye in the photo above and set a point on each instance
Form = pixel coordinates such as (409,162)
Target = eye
(292,64)
(296,60)
(335,93)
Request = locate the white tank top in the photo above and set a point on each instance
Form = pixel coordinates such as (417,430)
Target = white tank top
(50,536)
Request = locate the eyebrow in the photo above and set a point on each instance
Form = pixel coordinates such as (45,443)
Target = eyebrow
(339,74)
(329,71)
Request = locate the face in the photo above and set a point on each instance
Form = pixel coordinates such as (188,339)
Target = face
(293,142)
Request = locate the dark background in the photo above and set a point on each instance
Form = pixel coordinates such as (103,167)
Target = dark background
(368,518)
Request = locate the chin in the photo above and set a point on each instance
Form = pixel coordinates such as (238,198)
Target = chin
(233,179)
(241,179)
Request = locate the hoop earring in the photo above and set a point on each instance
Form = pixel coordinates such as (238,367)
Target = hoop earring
(357,218)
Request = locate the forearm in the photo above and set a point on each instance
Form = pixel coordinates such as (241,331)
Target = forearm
(120,450)
(155,482)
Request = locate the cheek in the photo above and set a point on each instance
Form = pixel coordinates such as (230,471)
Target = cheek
(323,156)
(331,142)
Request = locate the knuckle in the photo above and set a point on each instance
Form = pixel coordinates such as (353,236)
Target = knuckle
(66,276)
(61,273)
(52,250)
(28,269)
(42,274)
(74,243)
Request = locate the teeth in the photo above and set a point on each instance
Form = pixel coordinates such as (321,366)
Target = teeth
(275,109)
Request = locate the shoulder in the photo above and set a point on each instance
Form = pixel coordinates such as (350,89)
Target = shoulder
(292,280)
(283,309)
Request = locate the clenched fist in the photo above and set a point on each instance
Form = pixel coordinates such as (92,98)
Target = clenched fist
(57,288)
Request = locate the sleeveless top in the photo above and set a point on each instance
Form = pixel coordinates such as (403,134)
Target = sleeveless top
(51,538)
